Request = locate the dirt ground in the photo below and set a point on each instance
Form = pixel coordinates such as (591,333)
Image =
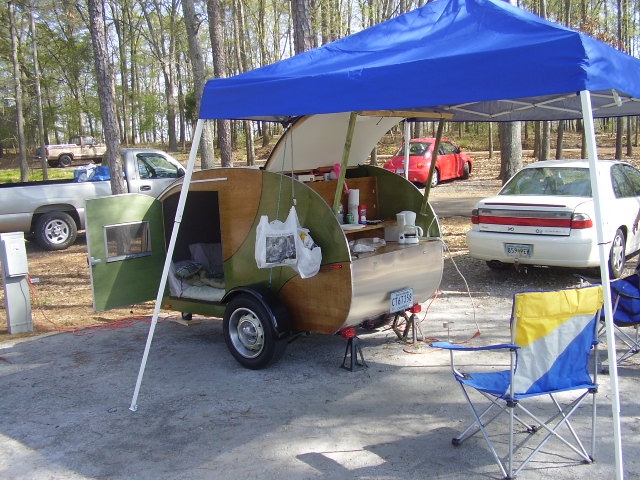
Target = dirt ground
(61,289)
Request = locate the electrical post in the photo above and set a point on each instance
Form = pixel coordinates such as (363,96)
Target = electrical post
(17,297)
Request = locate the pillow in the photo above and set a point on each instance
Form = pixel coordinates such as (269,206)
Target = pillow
(188,270)
(207,254)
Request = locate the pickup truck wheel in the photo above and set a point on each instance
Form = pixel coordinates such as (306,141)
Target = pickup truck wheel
(55,231)
(65,160)
(249,334)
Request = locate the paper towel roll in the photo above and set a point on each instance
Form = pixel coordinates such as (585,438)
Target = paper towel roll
(353,202)
(354,197)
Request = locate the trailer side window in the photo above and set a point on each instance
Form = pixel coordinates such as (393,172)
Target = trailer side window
(127,240)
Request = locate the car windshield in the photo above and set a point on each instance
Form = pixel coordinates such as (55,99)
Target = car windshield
(415,148)
(562,181)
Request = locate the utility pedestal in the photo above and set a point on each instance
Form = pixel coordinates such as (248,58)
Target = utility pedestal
(17,297)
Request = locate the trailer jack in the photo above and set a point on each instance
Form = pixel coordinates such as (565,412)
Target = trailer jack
(352,351)
(410,325)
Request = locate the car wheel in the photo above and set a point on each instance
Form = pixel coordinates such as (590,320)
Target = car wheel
(435,179)
(55,231)
(617,256)
(65,161)
(249,334)
(466,170)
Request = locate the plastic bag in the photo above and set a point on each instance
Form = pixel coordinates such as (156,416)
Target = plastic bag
(287,244)
(84,173)
(365,245)
(309,254)
(276,241)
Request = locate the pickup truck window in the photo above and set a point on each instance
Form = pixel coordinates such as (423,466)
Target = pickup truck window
(151,165)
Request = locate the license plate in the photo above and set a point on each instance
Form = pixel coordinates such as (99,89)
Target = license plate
(399,171)
(518,251)
(401,300)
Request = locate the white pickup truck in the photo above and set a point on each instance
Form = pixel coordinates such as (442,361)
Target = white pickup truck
(80,147)
(53,211)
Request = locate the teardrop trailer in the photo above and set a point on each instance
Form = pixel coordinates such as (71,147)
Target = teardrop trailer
(212,269)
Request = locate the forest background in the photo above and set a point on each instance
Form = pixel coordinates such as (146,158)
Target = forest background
(132,72)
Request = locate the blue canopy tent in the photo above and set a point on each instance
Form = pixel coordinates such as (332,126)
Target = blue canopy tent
(475,59)
(464,60)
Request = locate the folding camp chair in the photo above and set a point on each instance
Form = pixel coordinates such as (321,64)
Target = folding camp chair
(625,300)
(552,336)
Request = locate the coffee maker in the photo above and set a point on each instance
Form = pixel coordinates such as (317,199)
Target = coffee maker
(408,231)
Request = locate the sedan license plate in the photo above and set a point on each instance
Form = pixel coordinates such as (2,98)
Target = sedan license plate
(399,171)
(401,300)
(518,251)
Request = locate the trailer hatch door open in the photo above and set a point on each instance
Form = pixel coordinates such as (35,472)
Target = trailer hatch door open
(125,241)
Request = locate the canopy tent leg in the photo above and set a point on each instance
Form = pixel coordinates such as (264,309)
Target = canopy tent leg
(345,162)
(167,262)
(587,115)
(432,167)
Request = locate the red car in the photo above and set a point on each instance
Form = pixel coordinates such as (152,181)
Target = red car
(451,163)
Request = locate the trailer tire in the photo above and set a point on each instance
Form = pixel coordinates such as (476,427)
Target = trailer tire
(55,231)
(65,160)
(249,333)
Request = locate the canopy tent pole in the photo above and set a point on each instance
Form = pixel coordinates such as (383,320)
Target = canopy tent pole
(432,166)
(345,162)
(407,144)
(186,180)
(587,115)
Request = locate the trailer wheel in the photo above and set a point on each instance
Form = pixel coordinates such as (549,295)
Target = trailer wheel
(55,231)
(65,160)
(249,334)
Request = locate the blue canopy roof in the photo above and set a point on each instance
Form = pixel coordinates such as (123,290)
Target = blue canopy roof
(465,59)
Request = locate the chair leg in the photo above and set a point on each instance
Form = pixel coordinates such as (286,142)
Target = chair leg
(507,464)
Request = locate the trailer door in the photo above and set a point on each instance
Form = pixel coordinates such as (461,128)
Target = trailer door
(125,241)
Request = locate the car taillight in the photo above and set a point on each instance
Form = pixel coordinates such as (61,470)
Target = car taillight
(580,221)
(475,218)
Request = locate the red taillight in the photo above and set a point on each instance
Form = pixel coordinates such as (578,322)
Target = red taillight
(417,308)
(475,218)
(580,221)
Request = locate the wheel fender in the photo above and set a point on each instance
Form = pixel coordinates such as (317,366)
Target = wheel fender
(278,313)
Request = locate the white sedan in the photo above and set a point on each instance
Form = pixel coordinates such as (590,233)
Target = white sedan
(544,215)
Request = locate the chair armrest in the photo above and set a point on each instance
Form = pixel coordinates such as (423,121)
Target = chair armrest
(464,348)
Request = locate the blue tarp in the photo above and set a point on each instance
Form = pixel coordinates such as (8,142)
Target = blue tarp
(459,57)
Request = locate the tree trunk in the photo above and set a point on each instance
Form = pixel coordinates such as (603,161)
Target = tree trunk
(510,149)
(106,95)
(629,142)
(619,135)
(197,63)
(302,29)
(490,139)
(243,61)
(36,71)
(545,140)
(22,148)
(560,140)
(219,71)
